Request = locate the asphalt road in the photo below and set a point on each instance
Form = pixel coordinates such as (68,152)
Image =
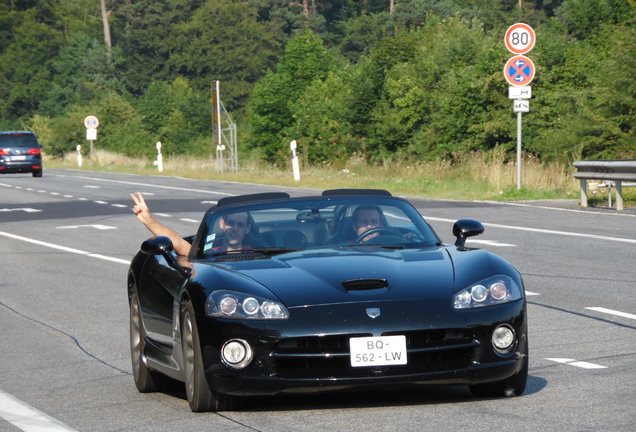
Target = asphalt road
(66,239)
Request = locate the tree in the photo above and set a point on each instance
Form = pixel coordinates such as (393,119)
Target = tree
(223,41)
(305,61)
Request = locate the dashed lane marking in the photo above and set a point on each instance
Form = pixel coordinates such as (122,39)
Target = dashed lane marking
(96,226)
(612,312)
(581,364)
(27,210)
(491,243)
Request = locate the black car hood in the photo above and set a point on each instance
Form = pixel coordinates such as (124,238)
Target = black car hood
(349,275)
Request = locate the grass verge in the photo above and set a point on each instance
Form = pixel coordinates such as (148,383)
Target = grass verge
(473,176)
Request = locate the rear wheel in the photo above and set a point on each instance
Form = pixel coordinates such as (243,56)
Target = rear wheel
(37,173)
(200,397)
(145,379)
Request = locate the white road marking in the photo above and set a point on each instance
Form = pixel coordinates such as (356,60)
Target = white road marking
(612,312)
(491,243)
(100,202)
(530,293)
(91,187)
(544,231)
(163,214)
(64,248)
(28,210)
(119,205)
(27,418)
(204,191)
(96,226)
(581,364)
(189,220)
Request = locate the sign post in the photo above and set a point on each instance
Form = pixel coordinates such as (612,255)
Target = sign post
(91,123)
(519,72)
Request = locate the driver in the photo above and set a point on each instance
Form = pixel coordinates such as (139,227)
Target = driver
(366,217)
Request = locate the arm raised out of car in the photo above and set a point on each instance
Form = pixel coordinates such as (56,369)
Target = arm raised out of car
(181,246)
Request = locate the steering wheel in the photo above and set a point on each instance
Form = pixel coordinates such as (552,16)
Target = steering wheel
(381,230)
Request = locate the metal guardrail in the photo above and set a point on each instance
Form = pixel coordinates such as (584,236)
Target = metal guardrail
(617,171)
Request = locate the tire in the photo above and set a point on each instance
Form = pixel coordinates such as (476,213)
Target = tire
(200,397)
(146,381)
(512,386)
(37,173)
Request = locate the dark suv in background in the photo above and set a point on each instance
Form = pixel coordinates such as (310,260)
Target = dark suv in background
(20,153)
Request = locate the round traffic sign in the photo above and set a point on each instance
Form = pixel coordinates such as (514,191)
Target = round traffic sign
(519,70)
(520,38)
(91,122)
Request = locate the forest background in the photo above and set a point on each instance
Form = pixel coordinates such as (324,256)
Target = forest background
(371,80)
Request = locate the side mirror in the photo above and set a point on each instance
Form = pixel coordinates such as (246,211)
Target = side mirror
(163,246)
(157,246)
(465,228)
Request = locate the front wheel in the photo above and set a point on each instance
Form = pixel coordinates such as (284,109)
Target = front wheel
(200,397)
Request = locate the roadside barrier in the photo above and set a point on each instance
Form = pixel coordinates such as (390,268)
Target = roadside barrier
(617,171)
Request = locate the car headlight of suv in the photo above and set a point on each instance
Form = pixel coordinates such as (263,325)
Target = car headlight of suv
(233,304)
(489,292)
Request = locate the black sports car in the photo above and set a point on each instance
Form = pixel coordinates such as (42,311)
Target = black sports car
(350,290)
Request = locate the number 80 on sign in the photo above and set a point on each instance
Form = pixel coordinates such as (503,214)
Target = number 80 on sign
(520,38)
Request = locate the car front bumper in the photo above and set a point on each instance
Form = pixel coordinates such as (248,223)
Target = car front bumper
(309,353)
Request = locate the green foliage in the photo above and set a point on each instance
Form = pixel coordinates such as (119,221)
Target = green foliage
(305,61)
(224,40)
(346,78)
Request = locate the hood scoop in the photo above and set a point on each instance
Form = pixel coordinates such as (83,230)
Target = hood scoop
(238,256)
(365,284)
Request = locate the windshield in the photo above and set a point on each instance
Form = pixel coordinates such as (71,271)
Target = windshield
(313,223)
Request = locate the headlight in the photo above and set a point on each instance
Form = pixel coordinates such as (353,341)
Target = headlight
(492,291)
(233,304)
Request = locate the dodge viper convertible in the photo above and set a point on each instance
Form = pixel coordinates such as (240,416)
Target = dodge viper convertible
(347,291)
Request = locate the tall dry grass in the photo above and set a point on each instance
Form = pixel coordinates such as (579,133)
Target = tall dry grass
(478,175)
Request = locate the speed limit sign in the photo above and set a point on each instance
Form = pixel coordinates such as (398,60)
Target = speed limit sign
(520,38)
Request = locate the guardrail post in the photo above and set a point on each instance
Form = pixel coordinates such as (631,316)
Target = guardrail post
(619,194)
(583,192)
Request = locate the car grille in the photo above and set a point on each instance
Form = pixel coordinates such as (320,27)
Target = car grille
(328,356)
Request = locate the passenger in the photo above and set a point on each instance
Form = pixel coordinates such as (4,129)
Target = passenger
(234,226)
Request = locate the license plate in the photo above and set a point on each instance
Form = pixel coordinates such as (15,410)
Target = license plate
(378,351)
(18,158)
